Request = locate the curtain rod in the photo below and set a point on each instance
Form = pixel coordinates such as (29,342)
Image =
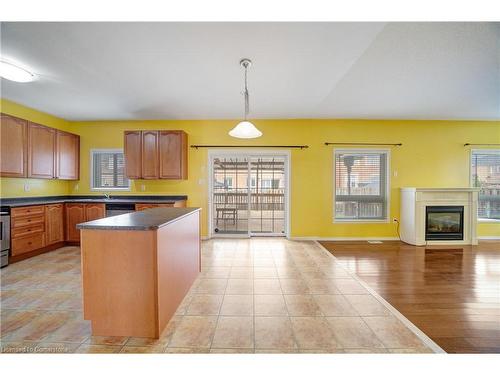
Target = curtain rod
(481,144)
(363,144)
(253,146)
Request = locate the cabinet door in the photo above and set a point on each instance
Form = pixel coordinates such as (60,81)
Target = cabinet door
(41,151)
(94,211)
(13,150)
(67,156)
(173,154)
(54,223)
(133,154)
(150,168)
(75,214)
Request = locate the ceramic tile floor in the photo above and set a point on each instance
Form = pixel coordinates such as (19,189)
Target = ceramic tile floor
(253,296)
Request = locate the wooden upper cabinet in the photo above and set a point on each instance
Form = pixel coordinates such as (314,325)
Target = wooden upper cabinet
(67,156)
(94,211)
(150,169)
(133,154)
(13,150)
(41,151)
(54,223)
(173,154)
(37,151)
(151,154)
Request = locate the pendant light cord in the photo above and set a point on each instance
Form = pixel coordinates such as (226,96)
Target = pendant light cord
(246,94)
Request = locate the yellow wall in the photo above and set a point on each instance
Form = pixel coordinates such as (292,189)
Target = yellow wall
(14,187)
(432,155)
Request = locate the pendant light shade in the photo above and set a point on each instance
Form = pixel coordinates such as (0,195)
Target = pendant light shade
(245,129)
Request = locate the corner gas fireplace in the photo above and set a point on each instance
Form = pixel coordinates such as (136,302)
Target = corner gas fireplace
(444,223)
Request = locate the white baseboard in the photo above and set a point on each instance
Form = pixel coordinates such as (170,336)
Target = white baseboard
(204,238)
(345,238)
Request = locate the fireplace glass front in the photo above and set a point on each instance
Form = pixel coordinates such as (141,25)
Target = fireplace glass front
(444,223)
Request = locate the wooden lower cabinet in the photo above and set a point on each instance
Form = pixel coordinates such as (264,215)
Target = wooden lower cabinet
(54,223)
(95,211)
(145,206)
(26,244)
(77,213)
(27,229)
(38,227)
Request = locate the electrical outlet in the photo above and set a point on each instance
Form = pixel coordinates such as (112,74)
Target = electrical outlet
(201,181)
(26,187)
(77,187)
(395,174)
(143,187)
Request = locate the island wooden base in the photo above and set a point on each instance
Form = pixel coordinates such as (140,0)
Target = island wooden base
(134,280)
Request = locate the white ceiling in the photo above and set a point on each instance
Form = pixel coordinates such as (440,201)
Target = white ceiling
(91,71)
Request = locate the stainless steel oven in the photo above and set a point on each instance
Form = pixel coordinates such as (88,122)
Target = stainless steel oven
(4,238)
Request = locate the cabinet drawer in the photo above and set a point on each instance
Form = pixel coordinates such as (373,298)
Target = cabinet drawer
(28,230)
(27,211)
(29,243)
(23,221)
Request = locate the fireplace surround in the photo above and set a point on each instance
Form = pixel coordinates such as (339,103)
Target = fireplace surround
(439,216)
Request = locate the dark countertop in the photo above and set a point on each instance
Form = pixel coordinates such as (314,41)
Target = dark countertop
(151,219)
(31,201)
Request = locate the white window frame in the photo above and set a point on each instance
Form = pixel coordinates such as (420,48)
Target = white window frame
(385,151)
(471,182)
(104,151)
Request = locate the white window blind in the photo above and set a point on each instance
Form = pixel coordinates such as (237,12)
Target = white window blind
(108,170)
(485,166)
(361,185)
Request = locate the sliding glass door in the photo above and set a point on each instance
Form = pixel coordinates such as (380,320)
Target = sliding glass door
(230,195)
(248,194)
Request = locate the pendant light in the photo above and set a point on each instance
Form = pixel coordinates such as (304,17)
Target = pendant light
(245,129)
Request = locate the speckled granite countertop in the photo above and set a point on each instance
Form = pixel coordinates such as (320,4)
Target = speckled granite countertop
(151,219)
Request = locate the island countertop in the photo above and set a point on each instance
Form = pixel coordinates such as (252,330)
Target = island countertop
(150,219)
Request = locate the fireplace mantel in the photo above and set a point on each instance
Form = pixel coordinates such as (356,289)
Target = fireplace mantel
(413,213)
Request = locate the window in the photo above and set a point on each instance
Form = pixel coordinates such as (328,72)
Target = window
(228,182)
(108,170)
(270,183)
(485,174)
(361,185)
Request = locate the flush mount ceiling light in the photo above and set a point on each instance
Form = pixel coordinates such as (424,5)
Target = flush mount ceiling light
(15,73)
(245,129)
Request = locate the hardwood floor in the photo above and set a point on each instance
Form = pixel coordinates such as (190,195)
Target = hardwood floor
(452,294)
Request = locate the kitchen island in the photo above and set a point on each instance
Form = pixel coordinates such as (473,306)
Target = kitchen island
(137,268)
